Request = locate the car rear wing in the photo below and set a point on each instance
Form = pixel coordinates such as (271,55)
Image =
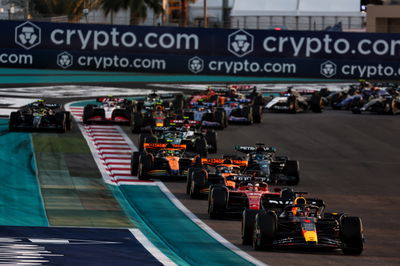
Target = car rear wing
(46,105)
(216,161)
(159,146)
(243,88)
(110,99)
(220,89)
(278,203)
(250,149)
(181,122)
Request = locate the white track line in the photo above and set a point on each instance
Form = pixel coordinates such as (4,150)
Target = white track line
(206,228)
(151,248)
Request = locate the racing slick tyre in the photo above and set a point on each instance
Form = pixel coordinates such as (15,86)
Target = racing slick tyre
(258,100)
(200,147)
(394,107)
(146,137)
(293,104)
(135,163)
(335,99)
(217,201)
(87,113)
(292,170)
(145,164)
(316,103)
(61,122)
(198,182)
(248,113)
(351,235)
(178,102)
(248,219)
(264,230)
(189,180)
(220,117)
(356,105)
(68,120)
(211,137)
(257,114)
(136,122)
(13,122)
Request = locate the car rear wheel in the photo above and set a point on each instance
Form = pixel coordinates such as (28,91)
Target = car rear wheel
(13,122)
(292,171)
(198,182)
(264,230)
(217,200)
(61,122)
(211,137)
(136,122)
(87,113)
(134,163)
(248,220)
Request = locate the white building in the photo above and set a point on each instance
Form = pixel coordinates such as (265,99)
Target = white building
(297,14)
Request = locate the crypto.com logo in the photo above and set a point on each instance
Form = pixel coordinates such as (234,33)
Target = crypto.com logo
(240,43)
(196,64)
(328,69)
(27,35)
(64,60)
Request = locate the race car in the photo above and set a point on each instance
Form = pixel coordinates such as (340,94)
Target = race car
(155,111)
(40,116)
(305,225)
(240,104)
(109,109)
(262,162)
(226,200)
(293,101)
(379,100)
(210,171)
(207,113)
(200,141)
(161,160)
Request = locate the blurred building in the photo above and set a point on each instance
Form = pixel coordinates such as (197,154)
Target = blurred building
(298,14)
(384,18)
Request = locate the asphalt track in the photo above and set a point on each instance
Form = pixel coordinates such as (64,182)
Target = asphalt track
(350,161)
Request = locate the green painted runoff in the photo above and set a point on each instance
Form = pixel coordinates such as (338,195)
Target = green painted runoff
(20,199)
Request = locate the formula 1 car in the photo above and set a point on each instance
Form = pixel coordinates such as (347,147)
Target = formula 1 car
(379,100)
(109,109)
(206,172)
(303,225)
(224,200)
(161,159)
(155,111)
(40,116)
(182,132)
(208,113)
(240,104)
(262,162)
(293,101)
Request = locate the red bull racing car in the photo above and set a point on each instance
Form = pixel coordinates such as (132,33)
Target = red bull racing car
(303,225)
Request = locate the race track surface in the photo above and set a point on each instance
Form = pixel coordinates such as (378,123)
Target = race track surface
(350,161)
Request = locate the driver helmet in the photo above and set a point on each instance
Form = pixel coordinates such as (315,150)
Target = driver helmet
(298,201)
(259,156)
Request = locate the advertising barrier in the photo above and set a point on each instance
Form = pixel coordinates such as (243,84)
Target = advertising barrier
(317,54)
